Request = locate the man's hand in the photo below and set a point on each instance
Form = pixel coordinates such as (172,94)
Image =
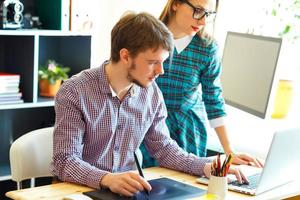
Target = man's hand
(246,159)
(127,183)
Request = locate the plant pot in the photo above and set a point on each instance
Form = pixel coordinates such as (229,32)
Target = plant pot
(47,89)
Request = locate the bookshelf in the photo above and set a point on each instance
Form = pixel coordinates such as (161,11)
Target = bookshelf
(22,52)
(54,14)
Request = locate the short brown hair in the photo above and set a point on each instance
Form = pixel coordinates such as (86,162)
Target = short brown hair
(138,33)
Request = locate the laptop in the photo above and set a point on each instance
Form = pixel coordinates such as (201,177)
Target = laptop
(281,165)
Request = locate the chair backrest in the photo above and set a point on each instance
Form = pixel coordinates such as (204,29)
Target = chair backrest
(31,154)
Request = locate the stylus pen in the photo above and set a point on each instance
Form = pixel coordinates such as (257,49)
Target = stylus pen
(139,168)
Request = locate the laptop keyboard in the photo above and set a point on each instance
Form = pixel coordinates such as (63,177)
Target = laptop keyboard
(253,181)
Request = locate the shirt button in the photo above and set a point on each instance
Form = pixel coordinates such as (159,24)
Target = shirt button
(119,127)
(116,148)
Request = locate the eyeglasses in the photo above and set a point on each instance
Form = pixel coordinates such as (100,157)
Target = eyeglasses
(199,13)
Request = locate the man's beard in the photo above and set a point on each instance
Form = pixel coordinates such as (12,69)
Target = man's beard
(131,78)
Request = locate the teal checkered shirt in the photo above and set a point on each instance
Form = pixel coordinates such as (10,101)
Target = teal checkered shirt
(192,92)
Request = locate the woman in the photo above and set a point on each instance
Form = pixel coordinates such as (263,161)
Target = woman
(191,82)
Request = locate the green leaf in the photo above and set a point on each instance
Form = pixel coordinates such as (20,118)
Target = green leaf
(286,29)
(54,72)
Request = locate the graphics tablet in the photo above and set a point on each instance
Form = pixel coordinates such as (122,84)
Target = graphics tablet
(162,188)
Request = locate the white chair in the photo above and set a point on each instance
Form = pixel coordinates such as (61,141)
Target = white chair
(30,156)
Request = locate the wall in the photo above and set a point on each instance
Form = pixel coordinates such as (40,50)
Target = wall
(254,16)
(107,13)
(233,15)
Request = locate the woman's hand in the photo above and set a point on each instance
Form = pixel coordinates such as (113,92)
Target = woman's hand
(246,159)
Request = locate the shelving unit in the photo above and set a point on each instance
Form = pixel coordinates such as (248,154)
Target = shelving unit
(22,52)
(54,14)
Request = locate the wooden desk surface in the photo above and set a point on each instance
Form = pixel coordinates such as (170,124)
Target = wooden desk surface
(59,190)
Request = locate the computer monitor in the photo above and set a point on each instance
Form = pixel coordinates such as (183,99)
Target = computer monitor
(249,66)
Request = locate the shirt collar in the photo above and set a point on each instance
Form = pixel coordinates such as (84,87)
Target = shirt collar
(113,93)
(182,43)
(133,91)
(103,80)
(105,87)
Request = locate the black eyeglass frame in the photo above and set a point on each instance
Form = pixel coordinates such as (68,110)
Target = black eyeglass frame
(196,9)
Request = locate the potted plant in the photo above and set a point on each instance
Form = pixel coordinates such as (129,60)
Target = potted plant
(287,21)
(51,77)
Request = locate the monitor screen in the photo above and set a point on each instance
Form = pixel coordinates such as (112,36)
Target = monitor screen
(249,66)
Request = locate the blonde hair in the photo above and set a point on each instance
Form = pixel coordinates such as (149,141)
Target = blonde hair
(167,14)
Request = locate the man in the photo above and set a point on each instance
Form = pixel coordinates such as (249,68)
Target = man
(103,114)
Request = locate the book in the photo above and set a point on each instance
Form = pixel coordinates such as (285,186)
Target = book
(9,89)
(9,81)
(12,102)
(11,98)
(8,98)
(9,76)
(6,84)
(4,95)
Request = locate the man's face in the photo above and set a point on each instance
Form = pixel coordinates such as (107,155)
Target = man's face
(147,66)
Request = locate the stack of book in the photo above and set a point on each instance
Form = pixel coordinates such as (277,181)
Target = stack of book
(9,89)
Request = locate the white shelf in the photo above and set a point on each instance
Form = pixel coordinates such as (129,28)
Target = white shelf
(22,52)
(32,32)
(42,103)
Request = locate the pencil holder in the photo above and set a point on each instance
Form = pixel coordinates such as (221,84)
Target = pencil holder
(217,185)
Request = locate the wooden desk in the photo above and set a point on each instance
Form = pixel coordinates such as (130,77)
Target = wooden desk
(59,190)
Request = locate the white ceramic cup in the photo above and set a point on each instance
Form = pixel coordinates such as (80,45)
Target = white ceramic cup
(218,186)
